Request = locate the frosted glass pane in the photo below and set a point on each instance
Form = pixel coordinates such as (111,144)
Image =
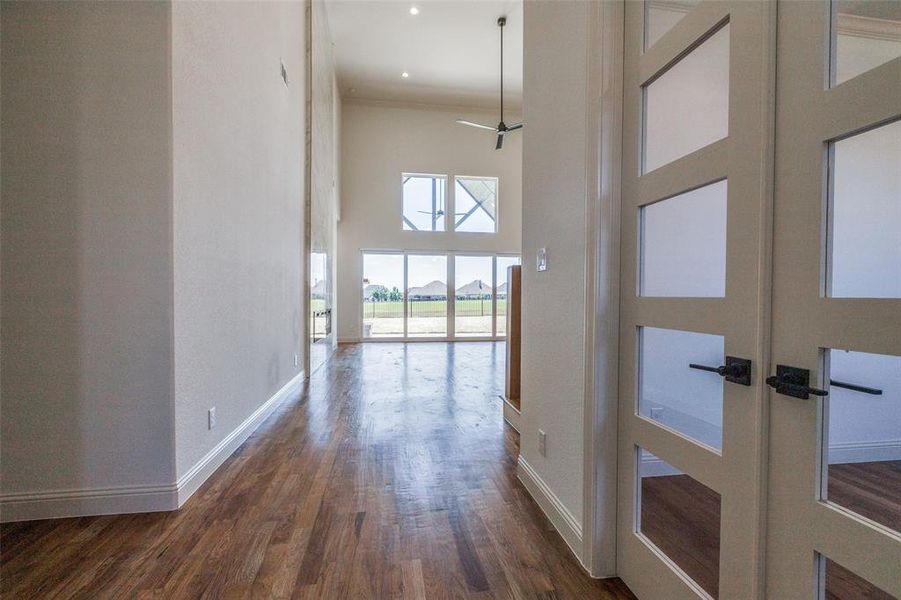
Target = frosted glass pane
(687,400)
(866,215)
(864,435)
(681,517)
(683,244)
(662,15)
(687,107)
(864,36)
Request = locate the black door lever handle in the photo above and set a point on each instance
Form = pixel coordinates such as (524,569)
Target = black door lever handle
(736,370)
(794,389)
(794,382)
(854,387)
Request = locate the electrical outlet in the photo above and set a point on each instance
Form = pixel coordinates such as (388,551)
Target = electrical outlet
(211,418)
(542,442)
(295,360)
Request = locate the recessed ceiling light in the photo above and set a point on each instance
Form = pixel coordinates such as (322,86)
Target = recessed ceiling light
(414,10)
(404,74)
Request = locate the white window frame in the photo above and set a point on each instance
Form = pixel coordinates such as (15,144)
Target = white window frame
(448,205)
(451,295)
(497,204)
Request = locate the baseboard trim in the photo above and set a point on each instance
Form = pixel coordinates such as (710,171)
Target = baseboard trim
(57,504)
(870,451)
(511,414)
(191,481)
(563,521)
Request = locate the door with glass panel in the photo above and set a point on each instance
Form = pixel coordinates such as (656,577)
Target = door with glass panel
(427,277)
(696,174)
(834,510)
(474,297)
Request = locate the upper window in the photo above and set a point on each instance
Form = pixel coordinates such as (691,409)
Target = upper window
(475,200)
(423,199)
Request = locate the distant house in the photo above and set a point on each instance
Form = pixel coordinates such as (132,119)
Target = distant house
(474,290)
(434,290)
(371,289)
(502,290)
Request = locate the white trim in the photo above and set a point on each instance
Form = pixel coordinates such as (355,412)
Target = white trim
(602,276)
(511,415)
(56,504)
(195,477)
(868,27)
(563,520)
(477,108)
(858,452)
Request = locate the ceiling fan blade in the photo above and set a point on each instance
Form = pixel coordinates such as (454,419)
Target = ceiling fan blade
(500,141)
(471,124)
(515,126)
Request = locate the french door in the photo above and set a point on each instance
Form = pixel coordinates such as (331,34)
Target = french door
(834,510)
(696,134)
(760,342)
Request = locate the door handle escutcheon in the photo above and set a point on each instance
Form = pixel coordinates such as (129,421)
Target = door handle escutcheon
(794,382)
(736,370)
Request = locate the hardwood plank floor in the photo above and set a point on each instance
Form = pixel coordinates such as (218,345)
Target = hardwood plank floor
(682,518)
(391,476)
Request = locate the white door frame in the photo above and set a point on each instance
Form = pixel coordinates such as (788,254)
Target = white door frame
(604,165)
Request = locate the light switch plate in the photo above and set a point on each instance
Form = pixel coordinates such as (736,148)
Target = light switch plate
(542,259)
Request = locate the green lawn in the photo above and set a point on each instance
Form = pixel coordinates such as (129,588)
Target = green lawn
(431,308)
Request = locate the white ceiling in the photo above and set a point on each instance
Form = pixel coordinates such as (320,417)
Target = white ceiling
(450,49)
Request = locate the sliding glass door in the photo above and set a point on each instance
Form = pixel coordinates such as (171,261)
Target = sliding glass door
(383,297)
(473,305)
(427,295)
(440,296)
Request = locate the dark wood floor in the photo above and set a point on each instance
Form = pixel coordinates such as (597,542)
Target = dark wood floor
(682,518)
(391,476)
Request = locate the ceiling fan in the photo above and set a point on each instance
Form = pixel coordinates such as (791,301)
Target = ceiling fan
(502,128)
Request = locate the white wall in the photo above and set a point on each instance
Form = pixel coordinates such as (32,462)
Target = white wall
(379,143)
(238,197)
(554,216)
(87,256)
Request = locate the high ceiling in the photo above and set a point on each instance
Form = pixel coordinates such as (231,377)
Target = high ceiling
(450,50)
